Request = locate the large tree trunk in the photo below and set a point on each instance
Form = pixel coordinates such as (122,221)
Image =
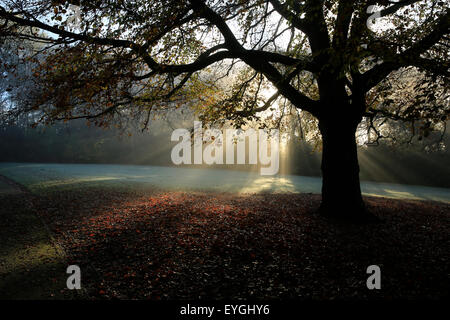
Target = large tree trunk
(341,192)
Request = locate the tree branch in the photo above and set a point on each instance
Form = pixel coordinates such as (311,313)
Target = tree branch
(343,19)
(410,57)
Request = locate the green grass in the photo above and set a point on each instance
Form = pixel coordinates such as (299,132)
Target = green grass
(32,266)
(43,178)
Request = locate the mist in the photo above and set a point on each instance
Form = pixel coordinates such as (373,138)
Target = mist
(75,142)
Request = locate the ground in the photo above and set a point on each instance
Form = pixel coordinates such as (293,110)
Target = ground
(31,262)
(148,243)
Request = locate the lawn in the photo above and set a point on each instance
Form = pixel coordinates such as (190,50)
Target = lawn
(31,261)
(136,241)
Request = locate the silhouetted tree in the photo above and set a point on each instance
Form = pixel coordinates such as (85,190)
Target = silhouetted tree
(109,60)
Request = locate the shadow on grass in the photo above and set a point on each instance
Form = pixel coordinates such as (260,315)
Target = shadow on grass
(179,245)
(31,266)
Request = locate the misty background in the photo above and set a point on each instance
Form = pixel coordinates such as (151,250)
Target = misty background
(75,142)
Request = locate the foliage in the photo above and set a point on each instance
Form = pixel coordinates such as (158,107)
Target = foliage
(108,60)
(163,245)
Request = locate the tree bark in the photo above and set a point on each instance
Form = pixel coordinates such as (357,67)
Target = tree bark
(341,191)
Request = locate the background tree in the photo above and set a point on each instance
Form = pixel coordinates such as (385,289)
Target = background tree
(137,58)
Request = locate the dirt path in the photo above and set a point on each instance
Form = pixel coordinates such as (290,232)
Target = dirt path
(31,264)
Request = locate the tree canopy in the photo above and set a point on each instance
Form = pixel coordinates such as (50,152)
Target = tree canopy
(105,57)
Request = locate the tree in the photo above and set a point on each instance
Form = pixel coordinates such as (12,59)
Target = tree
(17,81)
(324,57)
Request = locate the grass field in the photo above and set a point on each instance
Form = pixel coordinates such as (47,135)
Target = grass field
(136,237)
(31,262)
(44,177)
